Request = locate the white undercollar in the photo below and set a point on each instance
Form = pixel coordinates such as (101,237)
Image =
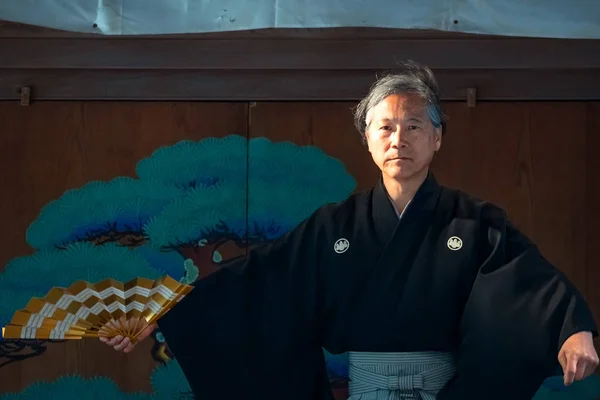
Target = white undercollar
(398,214)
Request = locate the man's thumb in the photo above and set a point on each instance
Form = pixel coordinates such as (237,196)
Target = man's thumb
(147,331)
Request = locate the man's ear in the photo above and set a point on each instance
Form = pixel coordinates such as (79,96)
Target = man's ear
(438,138)
(366,140)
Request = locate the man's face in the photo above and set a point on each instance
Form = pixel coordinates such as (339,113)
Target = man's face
(401,138)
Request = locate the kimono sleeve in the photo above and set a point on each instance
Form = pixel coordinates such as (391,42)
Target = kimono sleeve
(520,311)
(251,329)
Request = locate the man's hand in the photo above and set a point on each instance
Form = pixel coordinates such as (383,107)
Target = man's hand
(121,343)
(578,357)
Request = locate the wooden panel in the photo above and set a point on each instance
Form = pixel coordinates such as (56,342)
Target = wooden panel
(305,54)
(557,136)
(50,148)
(592,211)
(285,85)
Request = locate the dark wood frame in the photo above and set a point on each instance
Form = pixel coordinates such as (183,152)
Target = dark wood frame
(279,65)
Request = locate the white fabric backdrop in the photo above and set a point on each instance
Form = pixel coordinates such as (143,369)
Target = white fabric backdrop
(533,18)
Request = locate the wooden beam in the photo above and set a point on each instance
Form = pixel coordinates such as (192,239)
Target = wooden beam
(291,64)
(282,85)
(294,54)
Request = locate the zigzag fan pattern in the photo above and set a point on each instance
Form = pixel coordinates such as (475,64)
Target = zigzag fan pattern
(107,308)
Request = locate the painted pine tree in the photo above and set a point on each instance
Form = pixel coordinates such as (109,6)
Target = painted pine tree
(192,206)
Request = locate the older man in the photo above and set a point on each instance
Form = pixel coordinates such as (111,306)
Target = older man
(434,294)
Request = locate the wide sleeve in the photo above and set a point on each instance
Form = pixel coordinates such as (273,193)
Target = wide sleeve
(519,312)
(251,329)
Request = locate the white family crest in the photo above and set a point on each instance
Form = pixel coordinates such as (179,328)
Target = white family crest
(455,243)
(341,245)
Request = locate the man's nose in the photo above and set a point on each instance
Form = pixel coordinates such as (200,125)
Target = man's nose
(398,137)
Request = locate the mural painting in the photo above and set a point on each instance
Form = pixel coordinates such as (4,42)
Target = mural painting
(192,206)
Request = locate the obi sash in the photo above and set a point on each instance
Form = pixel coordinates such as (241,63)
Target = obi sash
(398,376)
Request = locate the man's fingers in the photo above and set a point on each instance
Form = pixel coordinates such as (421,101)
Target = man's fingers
(587,365)
(146,332)
(129,347)
(115,340)
(123,344)
(569,375)
(562,359)
(570,370)
(580,371)
(119,343)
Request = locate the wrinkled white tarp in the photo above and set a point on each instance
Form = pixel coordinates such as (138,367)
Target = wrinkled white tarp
(534,18)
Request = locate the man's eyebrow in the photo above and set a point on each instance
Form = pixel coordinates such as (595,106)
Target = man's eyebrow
(370,119)
(412,118)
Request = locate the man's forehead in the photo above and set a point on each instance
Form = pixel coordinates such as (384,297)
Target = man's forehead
(401,103)
(392,110)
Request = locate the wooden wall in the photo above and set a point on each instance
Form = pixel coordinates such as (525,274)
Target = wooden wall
(536,159)
(324,64)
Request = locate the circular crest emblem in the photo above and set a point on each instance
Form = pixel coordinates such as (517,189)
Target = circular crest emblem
(455,243)
(341,245)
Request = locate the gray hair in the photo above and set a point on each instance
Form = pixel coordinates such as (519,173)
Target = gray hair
(413,79)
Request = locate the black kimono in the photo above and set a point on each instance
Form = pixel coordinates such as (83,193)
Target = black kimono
(453,275)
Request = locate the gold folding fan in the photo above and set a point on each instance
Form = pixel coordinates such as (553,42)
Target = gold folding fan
(108,308)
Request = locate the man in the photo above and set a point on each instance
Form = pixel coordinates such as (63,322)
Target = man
(434,293)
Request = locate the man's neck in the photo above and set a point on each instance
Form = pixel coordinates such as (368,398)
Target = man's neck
(402,192)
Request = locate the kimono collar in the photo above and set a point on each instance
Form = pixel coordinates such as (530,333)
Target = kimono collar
(385,218)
